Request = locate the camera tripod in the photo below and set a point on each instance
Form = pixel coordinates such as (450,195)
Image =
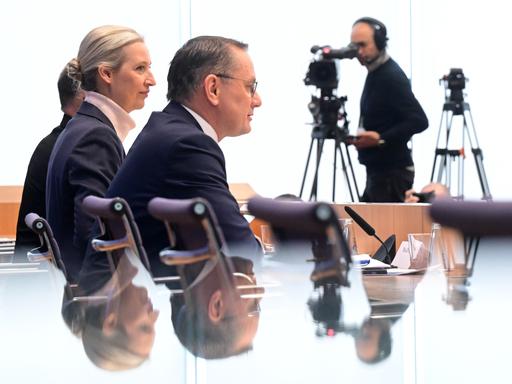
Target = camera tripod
(318,135)
(447,156)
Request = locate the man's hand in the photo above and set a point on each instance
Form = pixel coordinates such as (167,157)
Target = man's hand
(410,198)
(367,139)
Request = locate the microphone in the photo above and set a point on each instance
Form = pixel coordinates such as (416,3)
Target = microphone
(369,231)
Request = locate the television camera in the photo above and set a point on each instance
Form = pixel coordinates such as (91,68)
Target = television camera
(327,110)
(323,74)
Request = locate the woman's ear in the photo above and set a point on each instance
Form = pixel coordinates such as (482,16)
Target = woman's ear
(105,73)
(109,324)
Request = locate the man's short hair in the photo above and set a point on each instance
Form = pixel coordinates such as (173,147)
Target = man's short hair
(199,57)
(68,88)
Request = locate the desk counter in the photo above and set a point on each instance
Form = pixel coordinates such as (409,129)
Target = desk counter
(10,198)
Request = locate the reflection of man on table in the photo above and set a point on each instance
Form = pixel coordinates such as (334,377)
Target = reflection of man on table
(389,298)
(217,315)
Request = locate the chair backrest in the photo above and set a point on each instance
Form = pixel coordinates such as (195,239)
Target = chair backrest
(195,238)
(299,220)
(118,227)
(315,222)
(474,218)
(49,249)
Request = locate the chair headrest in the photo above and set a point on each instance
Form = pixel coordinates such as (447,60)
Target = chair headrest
(474,218)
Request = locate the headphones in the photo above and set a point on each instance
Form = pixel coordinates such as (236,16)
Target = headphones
(379,31)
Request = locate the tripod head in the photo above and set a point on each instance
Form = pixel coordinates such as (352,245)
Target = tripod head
(327,111)
(454,83)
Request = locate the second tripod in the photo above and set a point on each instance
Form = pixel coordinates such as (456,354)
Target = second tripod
(456,106)
(338,135)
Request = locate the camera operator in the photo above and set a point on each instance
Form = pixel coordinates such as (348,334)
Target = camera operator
(389,116)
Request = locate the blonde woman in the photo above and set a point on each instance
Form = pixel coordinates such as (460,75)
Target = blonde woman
(113,67)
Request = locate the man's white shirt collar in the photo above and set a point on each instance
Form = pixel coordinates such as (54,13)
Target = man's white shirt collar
(205,126)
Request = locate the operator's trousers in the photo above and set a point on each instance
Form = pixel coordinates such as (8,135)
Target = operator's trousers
(387,186)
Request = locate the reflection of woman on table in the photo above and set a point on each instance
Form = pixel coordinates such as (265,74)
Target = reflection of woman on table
(116,322)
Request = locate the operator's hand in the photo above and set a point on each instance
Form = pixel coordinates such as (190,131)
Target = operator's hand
(367,139)
(410,198)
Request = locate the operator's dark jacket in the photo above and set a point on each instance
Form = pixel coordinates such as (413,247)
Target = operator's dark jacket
(389,107)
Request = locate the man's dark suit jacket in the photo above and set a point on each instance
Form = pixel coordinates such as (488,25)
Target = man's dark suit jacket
(34,189)
(83,162)
(173,158)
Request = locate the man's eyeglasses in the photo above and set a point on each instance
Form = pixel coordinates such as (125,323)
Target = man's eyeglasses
(252,85)
(255,293)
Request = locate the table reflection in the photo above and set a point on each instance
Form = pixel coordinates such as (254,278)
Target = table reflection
(388,302)
(217,314)
(314,324)
(113,317)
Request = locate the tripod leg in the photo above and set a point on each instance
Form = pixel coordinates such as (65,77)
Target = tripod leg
(441,154)
(445,165)
(314,187)
(345,172)
(306,167)
(353,174)
(336,144)
(344,169)
(437,146)
(477,154)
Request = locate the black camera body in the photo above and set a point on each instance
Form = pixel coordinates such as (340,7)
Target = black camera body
(322,74)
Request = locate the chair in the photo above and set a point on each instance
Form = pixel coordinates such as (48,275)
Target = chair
(119,231)
(49,249)
(474,218)
(315,222)
(195,239)
(194,222)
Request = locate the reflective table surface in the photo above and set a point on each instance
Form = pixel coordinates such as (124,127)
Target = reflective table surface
(263,320)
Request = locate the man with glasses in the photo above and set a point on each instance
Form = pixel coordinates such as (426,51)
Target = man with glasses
(212,94)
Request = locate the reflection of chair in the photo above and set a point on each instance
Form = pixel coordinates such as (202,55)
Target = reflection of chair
(315,222)
(49,249)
